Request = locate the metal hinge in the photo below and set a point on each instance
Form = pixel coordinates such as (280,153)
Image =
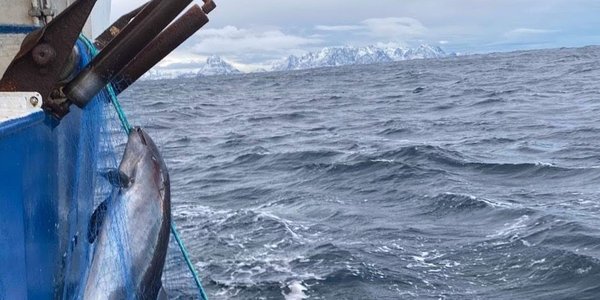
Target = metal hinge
(43,11)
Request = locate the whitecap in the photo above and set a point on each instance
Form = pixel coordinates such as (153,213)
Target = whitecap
(296,291)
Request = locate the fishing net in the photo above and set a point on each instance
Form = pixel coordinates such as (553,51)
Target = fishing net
(98,147)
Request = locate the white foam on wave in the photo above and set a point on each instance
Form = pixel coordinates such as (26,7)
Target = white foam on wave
(583,270)
(296,291)
(544,164)
(511,229)
(496,204)
(383,160)
(286,224)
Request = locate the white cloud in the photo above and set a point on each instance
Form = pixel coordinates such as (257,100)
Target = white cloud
(378,30)
(180,56)
(395,28)
(233,40)
(468,25)
(381,29)
(391,44)
(338,27)
(527,32)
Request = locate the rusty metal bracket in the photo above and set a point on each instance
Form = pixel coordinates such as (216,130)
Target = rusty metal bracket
(44,53)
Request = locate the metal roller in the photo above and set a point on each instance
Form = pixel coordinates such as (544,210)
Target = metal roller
(111,32)
(161,46)
(152,19)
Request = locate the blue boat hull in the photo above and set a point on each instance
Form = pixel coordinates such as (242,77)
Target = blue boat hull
(46,196)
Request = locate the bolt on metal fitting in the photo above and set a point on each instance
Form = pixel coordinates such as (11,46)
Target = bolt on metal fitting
(34,101)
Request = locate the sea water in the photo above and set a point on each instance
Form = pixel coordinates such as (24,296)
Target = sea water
(474,177)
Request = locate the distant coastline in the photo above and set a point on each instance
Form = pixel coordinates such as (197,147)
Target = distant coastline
(326,57)
(216,65)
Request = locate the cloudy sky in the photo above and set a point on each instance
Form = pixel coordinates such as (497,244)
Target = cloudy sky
(250,33)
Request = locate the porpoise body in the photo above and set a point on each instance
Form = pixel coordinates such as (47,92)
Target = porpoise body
(130,229)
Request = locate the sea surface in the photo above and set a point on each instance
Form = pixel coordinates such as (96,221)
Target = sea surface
(475,177)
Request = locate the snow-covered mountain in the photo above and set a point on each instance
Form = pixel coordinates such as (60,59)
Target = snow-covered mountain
(342,56)
(213,65)
(327,57)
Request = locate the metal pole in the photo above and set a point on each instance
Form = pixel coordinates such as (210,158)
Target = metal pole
(122,49)
(161,46)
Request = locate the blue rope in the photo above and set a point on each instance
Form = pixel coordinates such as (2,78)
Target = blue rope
(127,128)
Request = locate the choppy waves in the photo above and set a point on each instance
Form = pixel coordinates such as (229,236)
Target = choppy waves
(465,178)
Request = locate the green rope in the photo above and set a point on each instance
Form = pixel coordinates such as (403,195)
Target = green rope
(188,261)
(118,108)
(111,91)
(127,127)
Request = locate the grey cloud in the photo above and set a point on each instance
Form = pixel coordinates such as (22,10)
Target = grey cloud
(250,32)
(395,28)
(249,44)
(192,64)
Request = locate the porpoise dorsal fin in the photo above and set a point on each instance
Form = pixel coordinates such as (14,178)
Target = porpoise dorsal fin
(96,221)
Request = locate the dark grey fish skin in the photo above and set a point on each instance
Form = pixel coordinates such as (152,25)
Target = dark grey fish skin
(131,229)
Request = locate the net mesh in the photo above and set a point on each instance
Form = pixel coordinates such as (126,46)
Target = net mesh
(99,146)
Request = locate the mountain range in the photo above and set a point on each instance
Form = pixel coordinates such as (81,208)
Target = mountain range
(343,56)
(326,57)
